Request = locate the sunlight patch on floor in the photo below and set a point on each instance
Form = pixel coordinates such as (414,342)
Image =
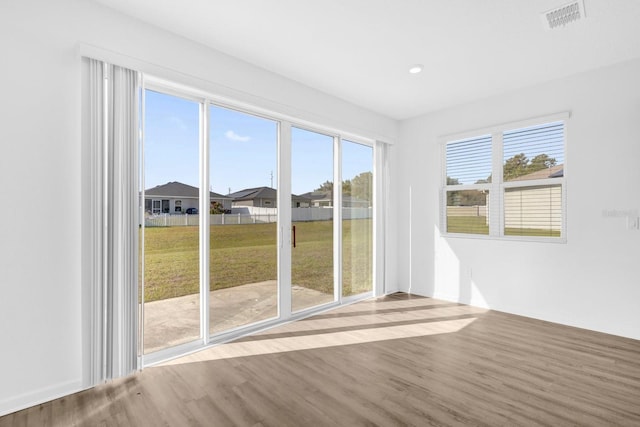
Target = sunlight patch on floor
(324,340)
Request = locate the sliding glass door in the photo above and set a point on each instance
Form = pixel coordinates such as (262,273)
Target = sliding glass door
(217,254)
(357,218)
(312,254)
(243,219)
(171,293)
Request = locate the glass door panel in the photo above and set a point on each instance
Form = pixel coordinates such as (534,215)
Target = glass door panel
(357,218)
(312,281)
(171,294)
(243,213)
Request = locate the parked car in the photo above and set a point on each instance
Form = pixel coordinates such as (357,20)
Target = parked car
(192,211)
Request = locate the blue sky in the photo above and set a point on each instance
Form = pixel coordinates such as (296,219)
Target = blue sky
(243,151)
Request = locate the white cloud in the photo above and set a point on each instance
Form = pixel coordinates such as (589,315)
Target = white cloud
(235,137)
(178,122)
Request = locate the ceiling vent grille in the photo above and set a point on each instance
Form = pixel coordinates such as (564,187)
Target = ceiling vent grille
(563,15)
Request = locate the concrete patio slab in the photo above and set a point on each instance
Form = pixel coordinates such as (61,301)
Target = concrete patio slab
(176,321)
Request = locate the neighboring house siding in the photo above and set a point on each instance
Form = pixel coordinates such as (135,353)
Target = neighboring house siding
(264,197)
(519,211)
(243,203)
(176,194)
(260,203)
(185,203)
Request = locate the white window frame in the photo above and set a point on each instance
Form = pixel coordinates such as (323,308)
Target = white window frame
(497,187)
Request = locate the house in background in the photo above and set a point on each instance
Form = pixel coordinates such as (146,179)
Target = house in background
(556,171)
(264,197)
(322,199)
(178,198)
(319,199)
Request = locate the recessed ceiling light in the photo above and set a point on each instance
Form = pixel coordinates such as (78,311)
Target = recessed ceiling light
(415,69)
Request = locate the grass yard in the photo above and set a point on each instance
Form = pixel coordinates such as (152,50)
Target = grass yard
(467,224)
(247,253)
(478,225)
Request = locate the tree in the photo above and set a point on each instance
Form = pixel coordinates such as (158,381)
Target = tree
(452,181)
(515,166)
(473,198)
(451,200)
(362,186)
(541,161)
(216,208)
(519,165)
(327,187)
(346,187)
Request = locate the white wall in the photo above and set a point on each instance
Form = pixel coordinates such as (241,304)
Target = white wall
(592,281)
(40,166)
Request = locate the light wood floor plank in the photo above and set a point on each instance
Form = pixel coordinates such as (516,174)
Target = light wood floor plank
(396,361)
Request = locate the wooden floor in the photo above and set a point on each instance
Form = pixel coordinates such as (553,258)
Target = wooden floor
(395,361)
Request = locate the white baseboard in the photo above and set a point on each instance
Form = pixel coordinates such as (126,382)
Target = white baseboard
(26,400)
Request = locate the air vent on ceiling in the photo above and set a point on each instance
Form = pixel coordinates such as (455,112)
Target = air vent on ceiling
(563,15)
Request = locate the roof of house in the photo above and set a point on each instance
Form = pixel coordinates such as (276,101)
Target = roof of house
(326,196)
(177,189)
(254,193)
(556,171)
(317,195)
(260,193)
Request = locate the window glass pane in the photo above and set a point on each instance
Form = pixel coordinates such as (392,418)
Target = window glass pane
(171,242)
(357,222)
(533,211)
(468,212)
(469,161)
(536,152)
(312,281)
(243,217)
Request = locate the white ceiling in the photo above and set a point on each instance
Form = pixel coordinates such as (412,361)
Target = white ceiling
(360,50)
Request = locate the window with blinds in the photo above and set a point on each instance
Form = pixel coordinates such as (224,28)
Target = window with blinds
(521,167)
(533,159)
(536,152)
(469,161)
(468,164)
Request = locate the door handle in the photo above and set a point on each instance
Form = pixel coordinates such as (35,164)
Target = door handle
(294,236)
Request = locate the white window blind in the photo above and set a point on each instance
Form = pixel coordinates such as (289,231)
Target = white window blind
(533,211)
(533,149)
(469,161)
(506,183)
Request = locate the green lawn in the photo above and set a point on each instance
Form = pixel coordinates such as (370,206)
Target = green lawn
(247,253)
(467,224)
(478,225)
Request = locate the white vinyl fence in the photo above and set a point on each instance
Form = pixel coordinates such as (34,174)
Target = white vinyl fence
(467,210)
(251,215)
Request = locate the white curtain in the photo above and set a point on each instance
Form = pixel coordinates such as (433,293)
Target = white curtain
(381,191)
(112,241)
